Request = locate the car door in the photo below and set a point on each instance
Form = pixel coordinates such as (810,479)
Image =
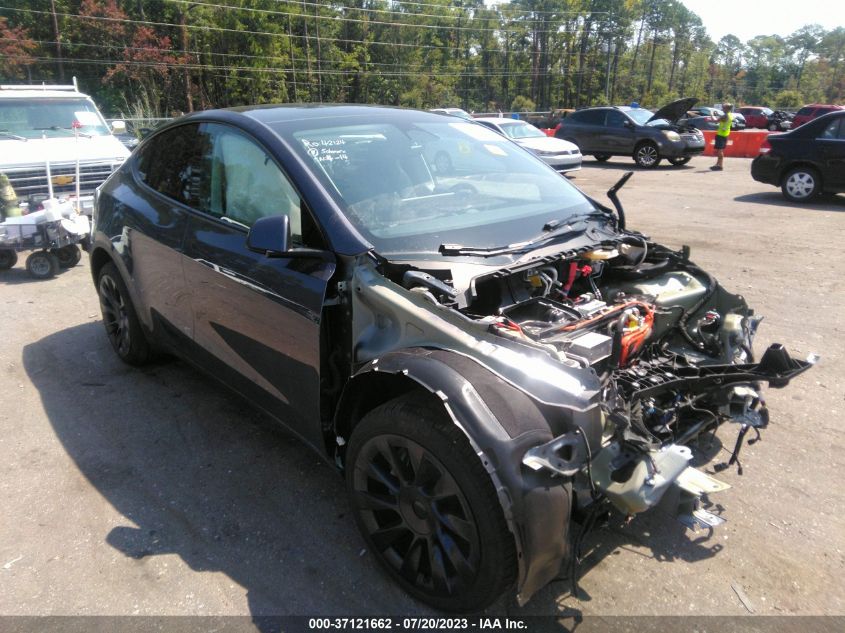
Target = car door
(257,318)
(831,154)
(154,210)
(617,137)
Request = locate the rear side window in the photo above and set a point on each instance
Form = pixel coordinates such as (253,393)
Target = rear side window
(804,111)
(834,130)
(174,164)
(587,117)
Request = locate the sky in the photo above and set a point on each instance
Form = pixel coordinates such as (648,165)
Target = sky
(747,18)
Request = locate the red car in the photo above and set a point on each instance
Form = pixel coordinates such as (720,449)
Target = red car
(756,116)
(809,112)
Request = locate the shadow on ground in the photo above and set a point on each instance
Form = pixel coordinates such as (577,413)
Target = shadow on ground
(19,275)
(198,473)
(826,202)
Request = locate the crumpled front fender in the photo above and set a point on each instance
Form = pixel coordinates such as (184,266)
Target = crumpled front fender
(501,424)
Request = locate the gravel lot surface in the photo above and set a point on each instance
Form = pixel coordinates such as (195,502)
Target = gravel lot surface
(158,492)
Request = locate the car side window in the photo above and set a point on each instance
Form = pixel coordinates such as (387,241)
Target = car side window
(833,130)
(246,184)
(615,119)
(172,163)
(594,117)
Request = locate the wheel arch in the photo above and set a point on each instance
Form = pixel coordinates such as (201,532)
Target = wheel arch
(99,258)
(806,164)
(536,508)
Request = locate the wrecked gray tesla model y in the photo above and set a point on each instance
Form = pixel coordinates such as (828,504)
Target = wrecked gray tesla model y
(484,351)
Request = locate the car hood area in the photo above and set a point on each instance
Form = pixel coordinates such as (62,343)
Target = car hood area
(675,110)
(547,144)
(35,152)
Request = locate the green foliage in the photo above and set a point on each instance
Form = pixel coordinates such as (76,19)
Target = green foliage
(789,100)
(521,103)
(167,56)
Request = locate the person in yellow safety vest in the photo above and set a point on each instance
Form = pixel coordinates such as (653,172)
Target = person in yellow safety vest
(723,131)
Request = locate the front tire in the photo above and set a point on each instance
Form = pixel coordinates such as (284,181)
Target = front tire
(120,319)
(601,157)
(647,156)
(801,184)
(427,508)
(42,265)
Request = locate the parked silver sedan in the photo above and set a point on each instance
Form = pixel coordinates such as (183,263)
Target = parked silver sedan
(562,155)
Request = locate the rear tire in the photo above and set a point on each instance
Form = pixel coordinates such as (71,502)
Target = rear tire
(801,184)
(646,155)
(8,258)
(42,265)
(427,508)
(601,157)
(120,319)
(680,160)
(68,256)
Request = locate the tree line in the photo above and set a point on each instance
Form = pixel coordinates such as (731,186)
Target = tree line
(158,57)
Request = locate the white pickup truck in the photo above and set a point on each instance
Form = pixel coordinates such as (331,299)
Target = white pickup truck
(54,143)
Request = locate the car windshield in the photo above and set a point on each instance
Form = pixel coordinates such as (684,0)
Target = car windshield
(641,116)
(520,130)
(410,185)
(37,118)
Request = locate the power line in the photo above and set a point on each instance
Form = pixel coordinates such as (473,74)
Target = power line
(347,19)
(198,53)
(197,27)
(283,71)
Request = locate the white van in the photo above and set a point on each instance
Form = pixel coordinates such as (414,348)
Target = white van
(54,143)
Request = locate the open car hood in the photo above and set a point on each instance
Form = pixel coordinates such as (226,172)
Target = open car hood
(675,110)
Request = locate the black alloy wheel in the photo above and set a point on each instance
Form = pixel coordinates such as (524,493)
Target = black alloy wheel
(427,508)
(119,318)
(8,258)
(42,265)
(646,155)
(68,256)
(679,160)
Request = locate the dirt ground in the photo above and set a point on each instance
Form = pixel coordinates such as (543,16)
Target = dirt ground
(158,492)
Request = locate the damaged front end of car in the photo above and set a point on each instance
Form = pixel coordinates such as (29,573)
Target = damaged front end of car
(581,372)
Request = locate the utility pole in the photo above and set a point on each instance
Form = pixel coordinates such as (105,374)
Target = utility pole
(183,25)
(58,36)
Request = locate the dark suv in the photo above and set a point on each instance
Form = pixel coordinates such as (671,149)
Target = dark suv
(636,132)
(484,355)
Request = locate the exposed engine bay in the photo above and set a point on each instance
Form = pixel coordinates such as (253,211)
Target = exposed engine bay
(671,348)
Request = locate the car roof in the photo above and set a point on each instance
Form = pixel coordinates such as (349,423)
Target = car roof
(500,120)
(41,94)
(288,112)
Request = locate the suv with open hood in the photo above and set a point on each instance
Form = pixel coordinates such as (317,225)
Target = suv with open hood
(636,132)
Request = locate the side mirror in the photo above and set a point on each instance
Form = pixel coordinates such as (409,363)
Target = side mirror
(270,236)
(118,126)
(629,124)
